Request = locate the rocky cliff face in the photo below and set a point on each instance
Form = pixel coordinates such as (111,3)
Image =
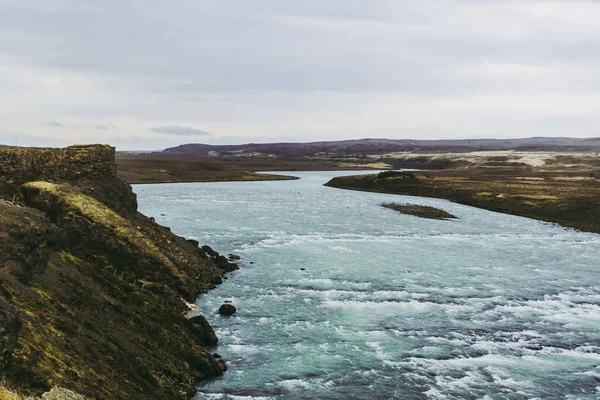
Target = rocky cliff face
(90,288)
(92,169)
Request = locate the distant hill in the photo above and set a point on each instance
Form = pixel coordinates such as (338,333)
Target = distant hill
(360,147)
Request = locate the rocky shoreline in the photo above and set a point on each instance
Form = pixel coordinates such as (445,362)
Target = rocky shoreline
(91,290)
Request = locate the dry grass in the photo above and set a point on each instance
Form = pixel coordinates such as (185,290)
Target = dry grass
(99,214)
(570,202)
(6,394)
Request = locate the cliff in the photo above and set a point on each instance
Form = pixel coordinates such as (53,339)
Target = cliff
(90,288)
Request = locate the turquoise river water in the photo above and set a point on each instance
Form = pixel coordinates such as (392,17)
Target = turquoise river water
(389,306)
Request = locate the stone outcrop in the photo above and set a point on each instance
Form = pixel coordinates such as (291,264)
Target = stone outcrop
(70,163)
(90,288)
(90,168)
(58,393)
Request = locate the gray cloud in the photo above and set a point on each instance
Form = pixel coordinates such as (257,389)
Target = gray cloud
(311,70)
(178,130)
(106,127)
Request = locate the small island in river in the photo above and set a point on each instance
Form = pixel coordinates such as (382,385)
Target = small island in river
(420,211)
(569,198)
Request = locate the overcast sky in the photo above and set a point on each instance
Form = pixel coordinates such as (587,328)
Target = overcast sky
(150,74)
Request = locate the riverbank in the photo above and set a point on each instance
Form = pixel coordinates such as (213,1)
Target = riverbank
(142,169)
(91,290)
(163,167)
(177,168)
(570,199)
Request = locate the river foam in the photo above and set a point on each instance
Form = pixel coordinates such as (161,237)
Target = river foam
(340,299)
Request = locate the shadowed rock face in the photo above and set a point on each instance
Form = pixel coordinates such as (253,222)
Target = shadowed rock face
(90,288)
(10,324)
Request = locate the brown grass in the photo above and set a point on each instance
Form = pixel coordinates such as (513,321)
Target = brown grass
(572,203)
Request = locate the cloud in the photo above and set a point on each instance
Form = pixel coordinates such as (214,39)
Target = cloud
(178,130)
(310,70)
(106,127)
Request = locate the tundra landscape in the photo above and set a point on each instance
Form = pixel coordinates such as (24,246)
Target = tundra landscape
(319,199)
(554,180)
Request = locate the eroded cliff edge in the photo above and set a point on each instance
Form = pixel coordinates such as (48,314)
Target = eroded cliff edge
(90,288)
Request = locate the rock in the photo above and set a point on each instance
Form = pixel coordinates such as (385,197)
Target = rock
(302,269)
(205,332)
(193,242)
(217,280)
(58,393)
(227,309)
(234,257)
(208,250)
(221,364)
(152,219)
(216,355)
(225,265)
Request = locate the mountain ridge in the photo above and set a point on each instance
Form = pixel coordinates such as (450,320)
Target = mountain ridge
(371,146)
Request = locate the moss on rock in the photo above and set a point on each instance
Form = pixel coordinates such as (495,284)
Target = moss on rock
(90,295)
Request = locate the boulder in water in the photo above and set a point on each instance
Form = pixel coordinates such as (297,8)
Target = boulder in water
(227,309)
(221,364)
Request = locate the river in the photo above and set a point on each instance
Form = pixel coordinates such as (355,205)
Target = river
(340,298)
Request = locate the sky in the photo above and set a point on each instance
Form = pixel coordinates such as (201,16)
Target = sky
(149,74)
